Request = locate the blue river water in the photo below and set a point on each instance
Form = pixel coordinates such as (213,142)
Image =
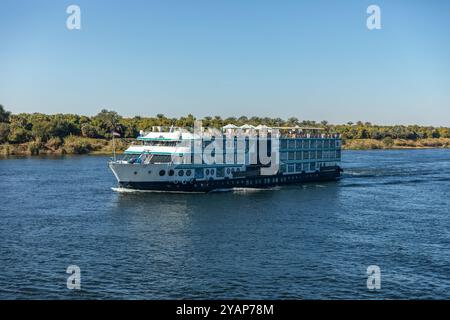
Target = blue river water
(312,241)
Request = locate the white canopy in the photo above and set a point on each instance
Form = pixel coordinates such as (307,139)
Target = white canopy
(247,126)
(230,126)
(261,126)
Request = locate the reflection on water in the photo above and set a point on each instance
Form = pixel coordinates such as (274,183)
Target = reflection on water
(308,241)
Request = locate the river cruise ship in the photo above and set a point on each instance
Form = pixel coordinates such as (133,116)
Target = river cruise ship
(203,160)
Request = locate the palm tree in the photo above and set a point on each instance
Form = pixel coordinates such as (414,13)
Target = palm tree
(4,115)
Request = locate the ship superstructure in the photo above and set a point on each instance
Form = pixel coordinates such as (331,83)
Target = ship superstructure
(202,160)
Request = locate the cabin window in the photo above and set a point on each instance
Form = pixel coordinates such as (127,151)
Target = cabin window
(298,144)
(291,144)
(291,155)
(298,167)
(313,144)
(291,168)
(312,166)
(199,173)
(181,173)
(319,144)
(305,155)
(319,154)
(305,144)
(220,172)
(283,156)
(298,155)
(188,173)
(283,168)
(338,154)
(162,172)
(283,144)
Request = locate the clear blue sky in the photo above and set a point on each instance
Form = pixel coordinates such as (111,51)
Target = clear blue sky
(311,59)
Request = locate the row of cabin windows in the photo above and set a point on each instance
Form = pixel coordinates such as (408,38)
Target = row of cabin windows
(306,155)
(298,167)
(249,182)
(309,144)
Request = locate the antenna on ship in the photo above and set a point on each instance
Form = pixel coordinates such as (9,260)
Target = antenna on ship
(114,134)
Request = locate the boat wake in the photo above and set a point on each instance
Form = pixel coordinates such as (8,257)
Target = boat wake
(126,190)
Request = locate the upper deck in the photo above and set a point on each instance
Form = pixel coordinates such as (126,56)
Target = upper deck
(166,135)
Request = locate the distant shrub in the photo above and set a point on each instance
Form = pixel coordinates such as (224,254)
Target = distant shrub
(89,131)
(53,143)
(76,145)
(4,132)
(388,142)
(34,147)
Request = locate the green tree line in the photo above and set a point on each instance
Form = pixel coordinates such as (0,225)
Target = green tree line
(43,128)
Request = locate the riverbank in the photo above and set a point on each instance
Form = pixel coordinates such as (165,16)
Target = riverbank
(70,145)
(80,145)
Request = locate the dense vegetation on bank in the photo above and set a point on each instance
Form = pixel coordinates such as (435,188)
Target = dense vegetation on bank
(70,133)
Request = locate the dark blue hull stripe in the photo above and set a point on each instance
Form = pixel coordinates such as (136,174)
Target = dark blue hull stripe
(249,182)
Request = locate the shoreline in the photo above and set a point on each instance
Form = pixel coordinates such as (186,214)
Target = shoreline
(104,147)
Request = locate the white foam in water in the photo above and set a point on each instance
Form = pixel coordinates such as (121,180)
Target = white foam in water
(126,190)
(237,190)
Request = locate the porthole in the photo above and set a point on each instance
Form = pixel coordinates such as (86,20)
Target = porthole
(181,173)
(135,172)
(149,171)
(171,172)
(188,173)
(207,171)
(162,172)
(212,172)
(228,170)
(237,169)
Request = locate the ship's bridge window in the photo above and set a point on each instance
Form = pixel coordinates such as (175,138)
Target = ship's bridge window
(159,158)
